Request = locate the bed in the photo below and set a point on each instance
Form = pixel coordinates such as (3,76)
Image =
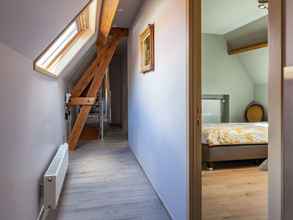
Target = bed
(224,141)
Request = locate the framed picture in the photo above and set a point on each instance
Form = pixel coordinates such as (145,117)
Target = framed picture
(147,49)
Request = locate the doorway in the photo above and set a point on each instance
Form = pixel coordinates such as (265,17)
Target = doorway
(274,113)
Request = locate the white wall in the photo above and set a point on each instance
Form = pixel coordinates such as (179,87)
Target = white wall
(32,122)
(29,26)
(32,126)
(224,74)
(158,102)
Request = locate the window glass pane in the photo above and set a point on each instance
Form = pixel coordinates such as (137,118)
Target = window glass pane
(56,57)
(58,45)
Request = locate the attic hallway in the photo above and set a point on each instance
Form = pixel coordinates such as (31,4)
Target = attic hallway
(105,182)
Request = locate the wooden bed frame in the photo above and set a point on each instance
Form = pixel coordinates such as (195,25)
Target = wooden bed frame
(233,153)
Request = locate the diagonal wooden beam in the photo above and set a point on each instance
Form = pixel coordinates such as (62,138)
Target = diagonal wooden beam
(88,75)
(117,35)
(84,111)
(107,54)
(96,83)
(85,79)
(108,12)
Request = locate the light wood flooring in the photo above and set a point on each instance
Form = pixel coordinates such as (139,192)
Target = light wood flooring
(234,193)
(105,182)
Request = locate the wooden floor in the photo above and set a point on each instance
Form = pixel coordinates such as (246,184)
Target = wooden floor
(105,182)
(235,194)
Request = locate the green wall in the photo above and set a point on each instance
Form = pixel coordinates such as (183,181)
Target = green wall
(225,74)
(256,65)
(261,94)
(243,77)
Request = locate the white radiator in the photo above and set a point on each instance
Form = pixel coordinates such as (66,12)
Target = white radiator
(55,176)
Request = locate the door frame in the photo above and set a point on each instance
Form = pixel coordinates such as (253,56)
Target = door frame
(194,99)
(276,64)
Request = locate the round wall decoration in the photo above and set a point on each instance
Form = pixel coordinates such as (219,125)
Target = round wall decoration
(254,112)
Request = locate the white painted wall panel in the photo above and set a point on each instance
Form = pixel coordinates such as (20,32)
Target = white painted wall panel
(31,128)
(158,102)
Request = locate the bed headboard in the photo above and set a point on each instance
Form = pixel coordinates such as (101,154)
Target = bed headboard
(215,108)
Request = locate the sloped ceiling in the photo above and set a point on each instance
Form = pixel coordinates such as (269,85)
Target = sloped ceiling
(256,64)
(127,11)
(29,26)
(252,33)
(242,23)
(223,16)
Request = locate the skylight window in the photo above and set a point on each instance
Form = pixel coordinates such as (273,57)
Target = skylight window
(55,49)
(62,50)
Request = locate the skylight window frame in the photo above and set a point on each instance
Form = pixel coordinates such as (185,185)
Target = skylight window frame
(57,47)
(83,24)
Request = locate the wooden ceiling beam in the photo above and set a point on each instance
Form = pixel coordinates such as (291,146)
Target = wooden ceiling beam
(78,101)
(108,12)
(122,31)
(248,48)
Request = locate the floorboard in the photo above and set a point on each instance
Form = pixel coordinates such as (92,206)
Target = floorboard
(105,182)
(235,193)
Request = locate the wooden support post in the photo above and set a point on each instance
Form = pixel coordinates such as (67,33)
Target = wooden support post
(106,55)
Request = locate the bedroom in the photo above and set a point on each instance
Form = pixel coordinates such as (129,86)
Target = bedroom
(234,109)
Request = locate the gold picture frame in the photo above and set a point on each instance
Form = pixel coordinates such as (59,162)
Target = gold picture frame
(147,49)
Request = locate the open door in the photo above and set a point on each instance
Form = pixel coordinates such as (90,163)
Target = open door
(275,151)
